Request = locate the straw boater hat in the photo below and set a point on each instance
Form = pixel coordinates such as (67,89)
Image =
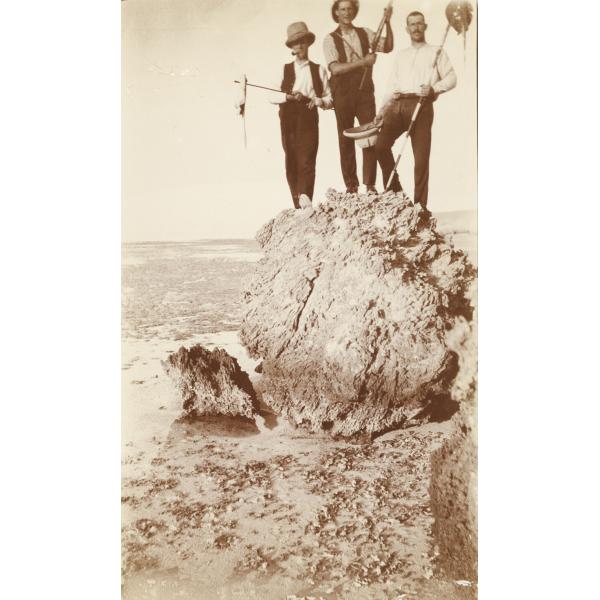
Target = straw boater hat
(334,7)
(297,32)
(365,135)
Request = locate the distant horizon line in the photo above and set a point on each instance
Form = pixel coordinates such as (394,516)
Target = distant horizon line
(251,239)
(187,241)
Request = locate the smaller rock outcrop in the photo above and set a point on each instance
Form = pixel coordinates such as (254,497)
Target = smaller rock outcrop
(210,383)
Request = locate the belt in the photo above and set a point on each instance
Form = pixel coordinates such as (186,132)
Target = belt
(404,96)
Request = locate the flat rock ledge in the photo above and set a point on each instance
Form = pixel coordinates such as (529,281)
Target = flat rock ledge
(348,310)
(210,383)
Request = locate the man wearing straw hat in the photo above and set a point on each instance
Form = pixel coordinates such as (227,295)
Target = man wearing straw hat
(306,87)
(409,83)
(347,55)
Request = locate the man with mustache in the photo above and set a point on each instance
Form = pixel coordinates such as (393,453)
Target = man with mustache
(409,83)
(347,54)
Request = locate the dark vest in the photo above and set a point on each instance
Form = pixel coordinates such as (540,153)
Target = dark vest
(288,109)
(289,78)
(348,82)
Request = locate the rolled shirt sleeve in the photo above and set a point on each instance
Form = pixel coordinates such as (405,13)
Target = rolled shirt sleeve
(352,47)
(413,68)
(329,50)
(326,97)
(445,73)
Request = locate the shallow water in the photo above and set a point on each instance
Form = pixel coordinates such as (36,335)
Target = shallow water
(178,290)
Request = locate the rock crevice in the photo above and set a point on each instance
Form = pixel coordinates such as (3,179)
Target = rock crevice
(348,310)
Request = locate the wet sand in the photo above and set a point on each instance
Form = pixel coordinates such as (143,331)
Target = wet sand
(231,508)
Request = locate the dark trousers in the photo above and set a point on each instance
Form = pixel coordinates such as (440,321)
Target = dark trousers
(300,140)
(348,106)
(395,122)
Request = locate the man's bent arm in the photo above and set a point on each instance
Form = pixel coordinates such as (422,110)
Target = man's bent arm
(447,75)
(326,97)
(337,68)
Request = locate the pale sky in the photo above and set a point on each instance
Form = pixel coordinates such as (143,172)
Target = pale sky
(186,174)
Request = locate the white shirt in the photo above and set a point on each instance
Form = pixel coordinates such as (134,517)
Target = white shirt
(412,69)
(304,85)
(351,43)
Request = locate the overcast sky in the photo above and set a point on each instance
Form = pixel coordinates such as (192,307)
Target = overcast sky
(186,174)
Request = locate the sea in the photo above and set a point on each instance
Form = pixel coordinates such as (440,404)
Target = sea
(177,290)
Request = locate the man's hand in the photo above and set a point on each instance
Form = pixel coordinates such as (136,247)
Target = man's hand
(380,116)
(295,97)
(387,13)
(369,60)
(426,90)
(315,102)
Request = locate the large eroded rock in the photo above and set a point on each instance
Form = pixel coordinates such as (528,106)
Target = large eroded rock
(210,382)
(348,310)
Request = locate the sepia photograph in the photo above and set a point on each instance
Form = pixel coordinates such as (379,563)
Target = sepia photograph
(299,300)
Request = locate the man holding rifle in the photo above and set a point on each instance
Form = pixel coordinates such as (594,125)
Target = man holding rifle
(413,79)
(350,60)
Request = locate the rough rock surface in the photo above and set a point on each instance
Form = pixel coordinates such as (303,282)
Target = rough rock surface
(348,310)
(453,487)
(210,382)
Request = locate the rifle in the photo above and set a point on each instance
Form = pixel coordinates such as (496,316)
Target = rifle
(375,42)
